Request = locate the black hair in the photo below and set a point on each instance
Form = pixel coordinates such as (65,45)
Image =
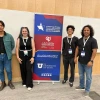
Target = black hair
(91,30)
(70,26)
(20,34)
(3,24)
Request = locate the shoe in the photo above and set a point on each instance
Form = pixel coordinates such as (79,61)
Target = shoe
(64,81)
(86,93)
(24,85)
(3,85)
(11,85)
(29,88)
(79,88)
(70,84)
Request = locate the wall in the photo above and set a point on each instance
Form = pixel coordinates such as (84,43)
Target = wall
(83,8)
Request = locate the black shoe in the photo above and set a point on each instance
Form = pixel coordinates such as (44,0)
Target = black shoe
(70,84)
(11,85)
(64,81)
(3,85)
(79,88)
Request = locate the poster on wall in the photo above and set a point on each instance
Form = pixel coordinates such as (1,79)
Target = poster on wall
(48,40)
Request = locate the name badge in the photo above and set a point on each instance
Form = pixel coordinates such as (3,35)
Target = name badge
(70,51)
(82,53)
(25,52)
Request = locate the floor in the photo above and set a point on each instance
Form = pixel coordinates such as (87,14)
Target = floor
(48,91)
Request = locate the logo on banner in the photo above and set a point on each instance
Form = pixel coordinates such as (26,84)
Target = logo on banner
(49,28)
(44,65)
(48,38)
(46,74)
(40,27)
(53,28)
(40,65)
(47,43)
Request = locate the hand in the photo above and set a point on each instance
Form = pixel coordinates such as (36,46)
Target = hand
(19,60)
(32,60)
(75,60)
(90,64)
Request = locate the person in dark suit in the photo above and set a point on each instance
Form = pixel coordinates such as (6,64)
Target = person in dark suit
(68,51)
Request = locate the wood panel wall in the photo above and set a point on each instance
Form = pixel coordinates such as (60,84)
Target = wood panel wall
(84,8)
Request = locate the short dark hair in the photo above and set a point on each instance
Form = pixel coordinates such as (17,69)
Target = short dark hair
(70,26)
(3,24)
(20,34)
(91,30)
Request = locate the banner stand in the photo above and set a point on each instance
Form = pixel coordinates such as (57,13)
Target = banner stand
(48,41)
(38,81)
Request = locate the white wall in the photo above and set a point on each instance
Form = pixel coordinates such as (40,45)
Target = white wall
(14,20)
(79,23)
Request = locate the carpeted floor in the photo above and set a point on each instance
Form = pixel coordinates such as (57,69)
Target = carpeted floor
(48,91)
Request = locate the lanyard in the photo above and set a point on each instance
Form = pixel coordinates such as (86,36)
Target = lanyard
(84,41)
(69,41)
(25,42)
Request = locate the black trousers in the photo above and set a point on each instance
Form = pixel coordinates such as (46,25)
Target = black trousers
(26,72)
(66,63)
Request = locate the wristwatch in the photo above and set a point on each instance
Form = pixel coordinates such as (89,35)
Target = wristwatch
(91,61)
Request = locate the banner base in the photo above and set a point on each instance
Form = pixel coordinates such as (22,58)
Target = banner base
(44,81)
